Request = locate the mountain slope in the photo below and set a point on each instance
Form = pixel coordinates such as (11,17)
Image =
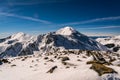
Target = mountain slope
(68,38)
(17,44)
(65,38)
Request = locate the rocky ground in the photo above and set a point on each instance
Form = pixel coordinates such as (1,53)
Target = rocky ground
(65,65)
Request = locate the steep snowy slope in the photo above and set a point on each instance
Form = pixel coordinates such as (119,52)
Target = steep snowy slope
(111,42)
(17,44)
(66,31)
(68,38)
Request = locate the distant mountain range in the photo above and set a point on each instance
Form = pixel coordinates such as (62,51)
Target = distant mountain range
(95,37)
(65,38)
(112,43)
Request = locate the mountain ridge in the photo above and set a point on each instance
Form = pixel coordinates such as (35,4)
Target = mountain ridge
(64,38)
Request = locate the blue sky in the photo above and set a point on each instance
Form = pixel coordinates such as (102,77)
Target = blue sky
(91,17)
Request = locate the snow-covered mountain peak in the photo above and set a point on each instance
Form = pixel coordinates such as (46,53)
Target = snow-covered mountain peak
(18,35)
(21,37)
(66,31)
(68,38)
(65,38)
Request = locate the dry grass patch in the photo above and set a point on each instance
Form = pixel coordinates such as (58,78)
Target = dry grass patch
(100,68)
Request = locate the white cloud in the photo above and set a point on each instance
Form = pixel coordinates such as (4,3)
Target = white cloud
(103,27)
(25,17)
(99,34)
(34,2)
(93,20)
(22,3)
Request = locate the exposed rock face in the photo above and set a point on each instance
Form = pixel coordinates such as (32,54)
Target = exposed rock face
(52,69)
(12,50)
(2,40)
(59,40)
(18,44)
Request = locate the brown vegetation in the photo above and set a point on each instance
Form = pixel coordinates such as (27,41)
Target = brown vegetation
(100,68)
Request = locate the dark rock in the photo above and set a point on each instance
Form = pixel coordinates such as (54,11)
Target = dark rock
(110,45)
(115,49)
(65,58)
(67,63)
(13,65)
(51,60)
(52,69)
(5,61)
(46,58)
(1,62)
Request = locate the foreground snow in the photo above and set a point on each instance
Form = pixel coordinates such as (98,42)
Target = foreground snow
(35,67)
